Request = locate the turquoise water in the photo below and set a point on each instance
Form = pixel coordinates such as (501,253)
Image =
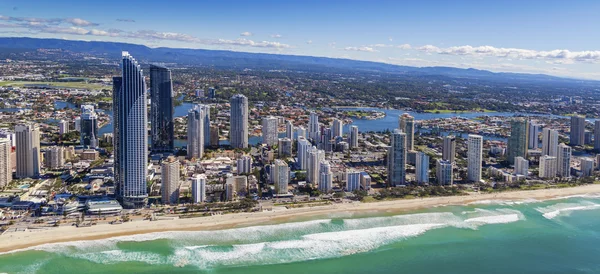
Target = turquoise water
(557,236)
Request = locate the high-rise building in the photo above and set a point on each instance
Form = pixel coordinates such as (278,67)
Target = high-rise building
(407,125)
(337,128)
(207,125)
(353,137)
(269,130)
(63,127)
(313,127)
(474,157)
(199,188)
(325,177)
(5,162)
(303,147)
(422,168)
(517,141)
(315,156)
(301,132)
(327,142)
(521,166)
(89,126)
(212,93)
(77,122)
(444,172)
(597,135)
(195,133)
(549,142)
(244,165)
(238,134)
(352,180)
(162,108)
(587,166)
(214,136)
(130,134)
(28,150)
(577,137)
(281,176)
(170,180)
(284,147)
(54,158)
(563,168)
(547,166)
(365,180)
(397,159)
(449,148)
(534,131)
(289,130)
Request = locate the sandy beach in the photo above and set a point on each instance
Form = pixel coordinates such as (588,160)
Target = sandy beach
(19,240)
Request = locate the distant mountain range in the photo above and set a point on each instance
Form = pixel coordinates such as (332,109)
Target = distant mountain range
(243,60)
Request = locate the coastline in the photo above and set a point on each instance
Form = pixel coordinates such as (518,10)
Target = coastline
(15,241)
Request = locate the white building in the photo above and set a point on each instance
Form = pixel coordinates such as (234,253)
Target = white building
(407,125)
(301,132)
(325,177)
(54,157)
(199,188)
(315,156)
(238,121)
(444,172)
(352,181)
(337,128)
(534,131)
(63,127)
(521,166)
(269,130)
(474,157)
(550,142)
(303,147)
(563,168)
(365,180)
(422,168)
(281,176)
(244,165)
(289,130)
(547,166)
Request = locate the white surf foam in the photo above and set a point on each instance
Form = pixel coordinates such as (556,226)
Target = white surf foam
(553,211)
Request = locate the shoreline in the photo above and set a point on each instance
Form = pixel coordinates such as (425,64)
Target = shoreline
(16,241)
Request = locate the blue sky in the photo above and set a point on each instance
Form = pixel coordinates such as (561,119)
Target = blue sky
(551,37)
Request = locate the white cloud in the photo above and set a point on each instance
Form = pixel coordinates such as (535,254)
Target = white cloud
(80,22)
(276,36)
(403,46)
(250,43)
(559,56)
(246,33)
(125,20)
(391,39)
(309,42)
(365,49)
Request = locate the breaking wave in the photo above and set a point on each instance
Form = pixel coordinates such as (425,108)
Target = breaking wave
(560,209)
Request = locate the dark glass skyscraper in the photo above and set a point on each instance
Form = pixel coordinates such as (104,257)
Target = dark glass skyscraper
(130,134)
(161,109)
(89,126)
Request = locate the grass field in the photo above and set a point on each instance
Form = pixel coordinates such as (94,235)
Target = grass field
(79,85)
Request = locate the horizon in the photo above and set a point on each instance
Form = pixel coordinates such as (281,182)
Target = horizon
(432,34)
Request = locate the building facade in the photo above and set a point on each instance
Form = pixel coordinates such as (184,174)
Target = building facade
(238,133)
(397,159)
(444,172)
(199,188)
(474,157)
(517,141)
(28,150)
(88,127)
(162,109)
(449,148)
(269,130)
(577,135)
(170,180)
(195,133)
(130,134)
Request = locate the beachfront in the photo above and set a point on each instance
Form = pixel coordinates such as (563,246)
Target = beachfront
(25,239)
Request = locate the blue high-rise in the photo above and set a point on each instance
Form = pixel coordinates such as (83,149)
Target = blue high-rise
(130,134)
(161,109)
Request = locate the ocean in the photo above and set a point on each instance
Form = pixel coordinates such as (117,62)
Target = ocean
(553,236)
